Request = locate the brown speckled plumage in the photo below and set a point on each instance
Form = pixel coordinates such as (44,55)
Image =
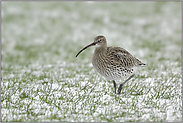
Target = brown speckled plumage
(113,62)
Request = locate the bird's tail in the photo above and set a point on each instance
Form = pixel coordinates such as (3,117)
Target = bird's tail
(142,65)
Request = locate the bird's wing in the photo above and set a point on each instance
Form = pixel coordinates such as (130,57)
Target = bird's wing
(122,57)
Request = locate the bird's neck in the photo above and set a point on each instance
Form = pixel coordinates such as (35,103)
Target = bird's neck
(100,49)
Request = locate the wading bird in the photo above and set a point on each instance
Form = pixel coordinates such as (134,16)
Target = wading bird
(113,62)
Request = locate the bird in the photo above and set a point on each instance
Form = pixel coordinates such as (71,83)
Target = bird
(113,63)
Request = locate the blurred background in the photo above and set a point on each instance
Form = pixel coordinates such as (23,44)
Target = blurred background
(47,32)
(39,44)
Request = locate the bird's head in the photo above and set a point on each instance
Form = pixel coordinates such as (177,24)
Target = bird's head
(98,41)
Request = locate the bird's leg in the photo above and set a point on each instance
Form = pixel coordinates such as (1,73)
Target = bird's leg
(114,86)
(121,85)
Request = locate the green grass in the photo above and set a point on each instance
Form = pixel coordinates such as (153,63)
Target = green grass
(42,80)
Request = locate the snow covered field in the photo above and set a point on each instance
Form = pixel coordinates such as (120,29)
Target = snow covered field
(42,80)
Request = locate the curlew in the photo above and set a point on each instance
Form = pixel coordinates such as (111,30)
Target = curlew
(113,62)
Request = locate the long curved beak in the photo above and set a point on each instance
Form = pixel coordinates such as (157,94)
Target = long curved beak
(92,44)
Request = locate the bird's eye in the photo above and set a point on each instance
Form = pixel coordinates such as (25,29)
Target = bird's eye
(99,40)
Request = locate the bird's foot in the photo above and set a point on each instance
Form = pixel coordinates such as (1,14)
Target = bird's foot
(119,89)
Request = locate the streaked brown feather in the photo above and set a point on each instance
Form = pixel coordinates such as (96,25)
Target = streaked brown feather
(122,57)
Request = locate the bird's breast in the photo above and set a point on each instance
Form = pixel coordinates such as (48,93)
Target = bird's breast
(109,69)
